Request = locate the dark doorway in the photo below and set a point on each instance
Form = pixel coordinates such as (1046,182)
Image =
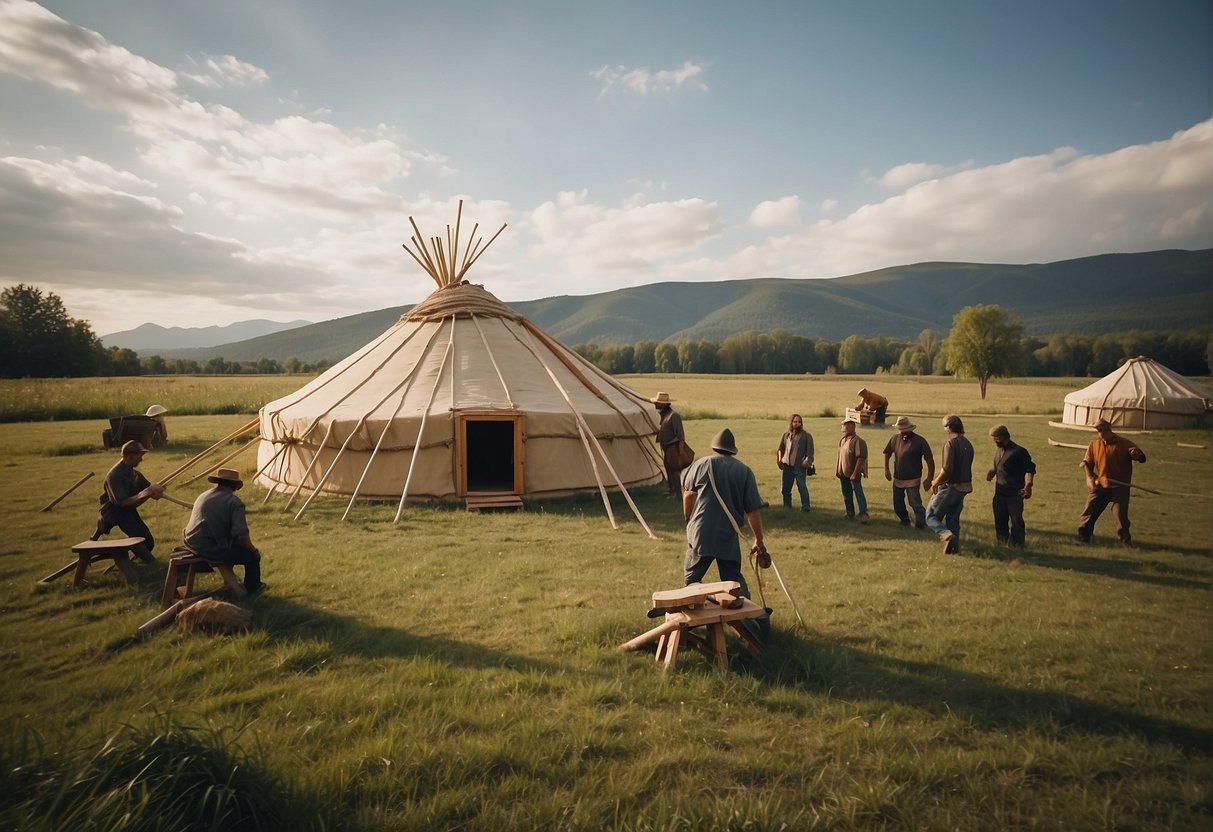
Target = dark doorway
(490,454)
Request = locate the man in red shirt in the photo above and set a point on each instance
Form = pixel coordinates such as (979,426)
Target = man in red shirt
(1109,467)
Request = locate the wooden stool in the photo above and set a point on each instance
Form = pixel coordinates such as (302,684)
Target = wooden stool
(710,605)
(183,559)
(91,551)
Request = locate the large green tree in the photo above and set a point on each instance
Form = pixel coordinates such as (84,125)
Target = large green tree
(985,343)
(38,339)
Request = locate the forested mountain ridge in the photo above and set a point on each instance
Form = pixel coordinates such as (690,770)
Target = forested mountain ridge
(1161,290)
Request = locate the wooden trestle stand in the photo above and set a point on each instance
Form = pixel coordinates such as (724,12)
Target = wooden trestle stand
(710,605)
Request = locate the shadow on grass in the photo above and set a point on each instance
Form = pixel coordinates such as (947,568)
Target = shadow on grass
(847,673)
(1139,569)
(287,622)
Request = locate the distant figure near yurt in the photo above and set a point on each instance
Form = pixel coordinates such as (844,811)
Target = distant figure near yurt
(461,396)
(1141,394)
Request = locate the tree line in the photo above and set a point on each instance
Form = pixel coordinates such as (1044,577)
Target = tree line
(1185,352)
(38,339)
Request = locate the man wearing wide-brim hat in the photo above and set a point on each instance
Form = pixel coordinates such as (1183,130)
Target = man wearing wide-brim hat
(218,531)
(669,436)
(711,486)
(125,490)
(908,451)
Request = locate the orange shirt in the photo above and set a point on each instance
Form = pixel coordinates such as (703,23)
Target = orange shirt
(1110,460)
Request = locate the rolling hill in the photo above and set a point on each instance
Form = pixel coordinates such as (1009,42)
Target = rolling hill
(1159,290)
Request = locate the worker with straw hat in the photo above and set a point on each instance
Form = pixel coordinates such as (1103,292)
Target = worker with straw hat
(217,529)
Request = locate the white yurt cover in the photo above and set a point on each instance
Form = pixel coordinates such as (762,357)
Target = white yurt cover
(1140,394)
(355,429)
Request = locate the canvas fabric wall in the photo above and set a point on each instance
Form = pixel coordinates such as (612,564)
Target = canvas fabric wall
(1140,394)
(437,368)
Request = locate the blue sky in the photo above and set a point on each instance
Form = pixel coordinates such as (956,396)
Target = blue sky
(193,163)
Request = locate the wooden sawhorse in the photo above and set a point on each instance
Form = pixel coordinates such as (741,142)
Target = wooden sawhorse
(710,605)
(91,551)
(183,560)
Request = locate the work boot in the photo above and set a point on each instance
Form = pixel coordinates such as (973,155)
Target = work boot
(863,517)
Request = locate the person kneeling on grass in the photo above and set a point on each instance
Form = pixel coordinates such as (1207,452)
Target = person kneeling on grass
(218,531)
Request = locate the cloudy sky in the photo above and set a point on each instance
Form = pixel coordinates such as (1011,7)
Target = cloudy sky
(190,163)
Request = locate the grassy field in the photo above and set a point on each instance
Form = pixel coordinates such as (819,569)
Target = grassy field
(461,671)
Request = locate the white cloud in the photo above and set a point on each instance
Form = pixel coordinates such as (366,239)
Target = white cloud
(1032,209)
(909,173)
(643,81)
(776,213)
(229,71)
(827,206)
(593,241)
(290,164)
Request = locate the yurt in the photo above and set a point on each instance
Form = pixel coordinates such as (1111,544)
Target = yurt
(1141,394)
(461,398)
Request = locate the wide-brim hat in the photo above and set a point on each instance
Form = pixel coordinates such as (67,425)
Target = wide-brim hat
(227,475)
(661,398)
(132,447)
(904,424)
(724,442)
(156,410)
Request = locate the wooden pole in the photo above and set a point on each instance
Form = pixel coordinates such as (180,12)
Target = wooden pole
(227,458)
(421,430)
(79,483)
(1057,444)
(455,247)
(483,250)
(173,499)
(228,438)
(1131,485)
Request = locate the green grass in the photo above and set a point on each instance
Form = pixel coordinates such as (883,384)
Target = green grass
(460,671)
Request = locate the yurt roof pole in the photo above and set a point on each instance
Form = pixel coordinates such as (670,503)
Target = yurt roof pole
(438,260)
(328,472)
(270,461)
(193,460)
(300,394)
(421,430)
(227,458)
(310,466)
(383,362)
(348,439)
(505,388)
(586,428)
(403,388)
(648,448)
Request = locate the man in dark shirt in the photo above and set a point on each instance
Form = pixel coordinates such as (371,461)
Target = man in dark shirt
(125,490)
(1013,471)
(950,486)
(669,436)
(908,451)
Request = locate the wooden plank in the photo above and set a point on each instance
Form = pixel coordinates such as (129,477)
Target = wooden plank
(692,594)
(1057,444)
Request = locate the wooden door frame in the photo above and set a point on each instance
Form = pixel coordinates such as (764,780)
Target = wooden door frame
(461,445)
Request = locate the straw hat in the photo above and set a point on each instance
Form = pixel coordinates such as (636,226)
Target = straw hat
(229,476)
(662,398)
(904,424)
